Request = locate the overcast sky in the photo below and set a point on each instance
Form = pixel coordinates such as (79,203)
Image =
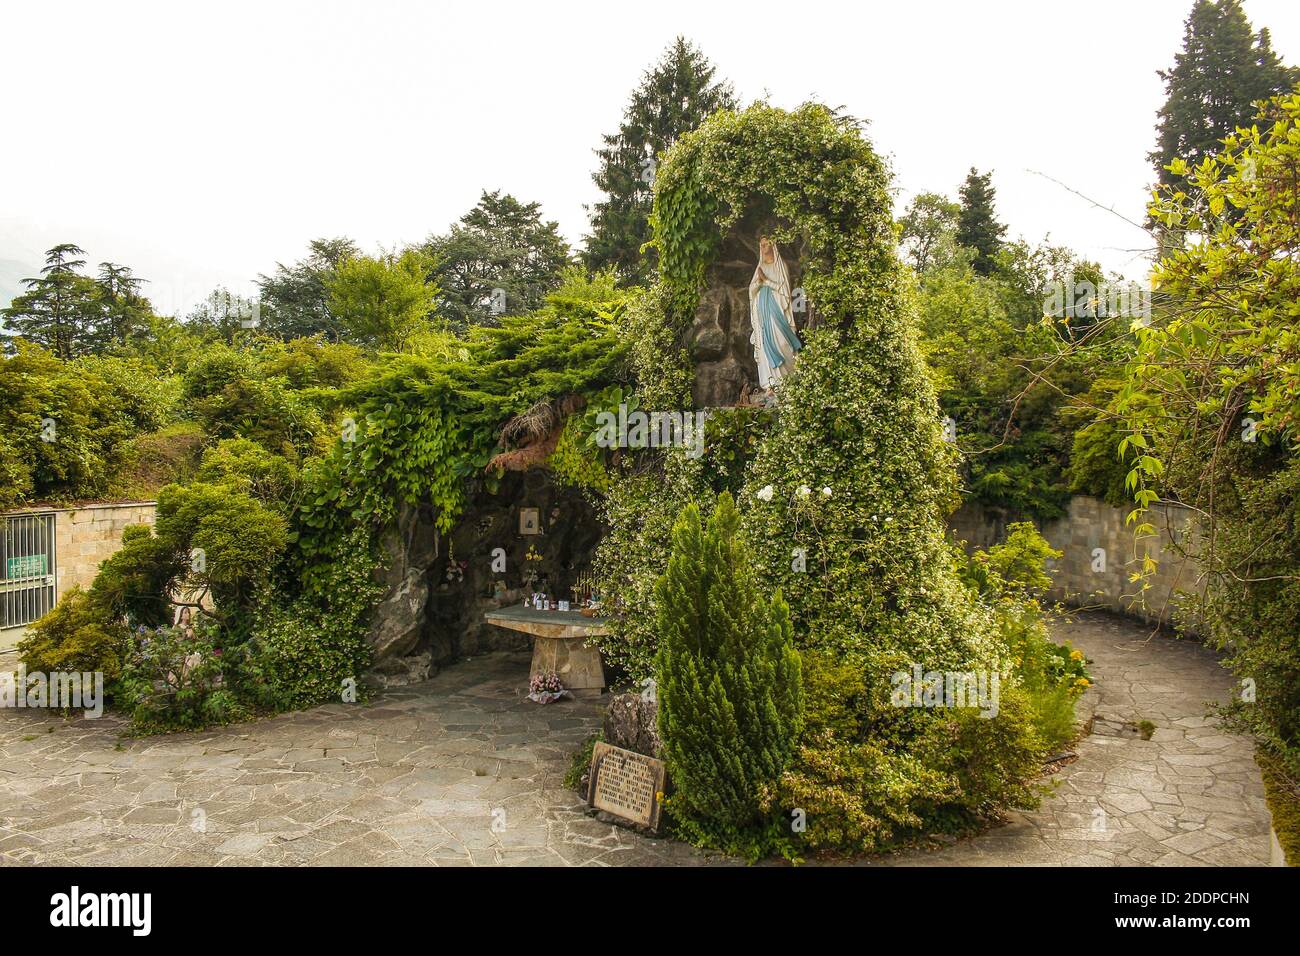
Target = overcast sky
(202,144)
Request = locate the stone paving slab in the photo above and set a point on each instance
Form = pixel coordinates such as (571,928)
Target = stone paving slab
(1190,796)
(464,771)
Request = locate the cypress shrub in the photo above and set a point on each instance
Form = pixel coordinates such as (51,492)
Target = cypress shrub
(730,681)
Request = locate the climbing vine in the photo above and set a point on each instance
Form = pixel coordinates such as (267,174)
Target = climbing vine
(844,487)
(858,418)
(427,427)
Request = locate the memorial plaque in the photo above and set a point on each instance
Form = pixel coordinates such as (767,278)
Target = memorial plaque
(626,784)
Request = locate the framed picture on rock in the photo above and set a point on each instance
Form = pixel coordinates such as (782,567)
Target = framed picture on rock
(530,521)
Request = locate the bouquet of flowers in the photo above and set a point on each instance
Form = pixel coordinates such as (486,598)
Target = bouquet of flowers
(546,688)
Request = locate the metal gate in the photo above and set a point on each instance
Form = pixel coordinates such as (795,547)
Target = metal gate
(26,568)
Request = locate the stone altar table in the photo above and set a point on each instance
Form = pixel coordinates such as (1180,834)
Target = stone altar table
(559,645)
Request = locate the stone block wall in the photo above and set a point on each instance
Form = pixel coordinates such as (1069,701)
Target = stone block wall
(1100,554)
(87,534)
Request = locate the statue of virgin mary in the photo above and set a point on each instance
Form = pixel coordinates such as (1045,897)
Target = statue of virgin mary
(770,317)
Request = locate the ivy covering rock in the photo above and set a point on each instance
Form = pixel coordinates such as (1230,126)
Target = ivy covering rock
(843,490)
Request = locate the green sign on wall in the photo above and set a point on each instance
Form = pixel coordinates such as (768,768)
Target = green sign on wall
(26,566)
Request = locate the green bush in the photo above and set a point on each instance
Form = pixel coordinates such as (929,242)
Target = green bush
(1251,611)
(16,480)
(301,654)
(1282,793)
(152,460)
(1015,567)
(869,776)
(76,635)
(1010,577)
(177,678)
(144,399)
(231,396)
(134,583)
(867,779)
(580,762)
(992,761)
(729,680)
(857,796)
(61,424)
(251,468)
(1097,467)
(311,362)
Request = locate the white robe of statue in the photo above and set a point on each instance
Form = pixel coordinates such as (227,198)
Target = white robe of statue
(770,317)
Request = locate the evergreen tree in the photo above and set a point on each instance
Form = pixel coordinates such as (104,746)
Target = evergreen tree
(295,301)
(977,225)
(1223,68)
(124,311)
(730,684)
(59,309)
(501,244)
(674,98)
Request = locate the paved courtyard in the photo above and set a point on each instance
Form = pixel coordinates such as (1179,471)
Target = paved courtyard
(463,771)
(1189,796)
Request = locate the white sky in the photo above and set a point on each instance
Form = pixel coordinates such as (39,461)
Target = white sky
(201,145)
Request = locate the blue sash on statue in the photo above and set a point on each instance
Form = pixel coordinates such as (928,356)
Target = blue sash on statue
(774,323)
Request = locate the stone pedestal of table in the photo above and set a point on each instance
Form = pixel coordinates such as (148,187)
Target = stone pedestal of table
(560,645)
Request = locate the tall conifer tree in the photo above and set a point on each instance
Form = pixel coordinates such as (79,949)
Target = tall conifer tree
(1223,68)
(59,309)
(729,678)
(674,98)
(977,224)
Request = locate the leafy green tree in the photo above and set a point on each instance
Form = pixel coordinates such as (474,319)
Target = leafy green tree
(58,310)
(1211,404)
(382,301)
(167,343)
(135,583)
(977,224)
(1222,70)
(251,468)
(62,423)
(674,97)
(929,231)
(313,363)
(296,299)
(1006,377)
(210,539)
(500,244)
(225,316)
(729,677)
(228,392)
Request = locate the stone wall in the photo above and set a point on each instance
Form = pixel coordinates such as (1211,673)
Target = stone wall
(87,534)
(1090,532)
(570,530)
